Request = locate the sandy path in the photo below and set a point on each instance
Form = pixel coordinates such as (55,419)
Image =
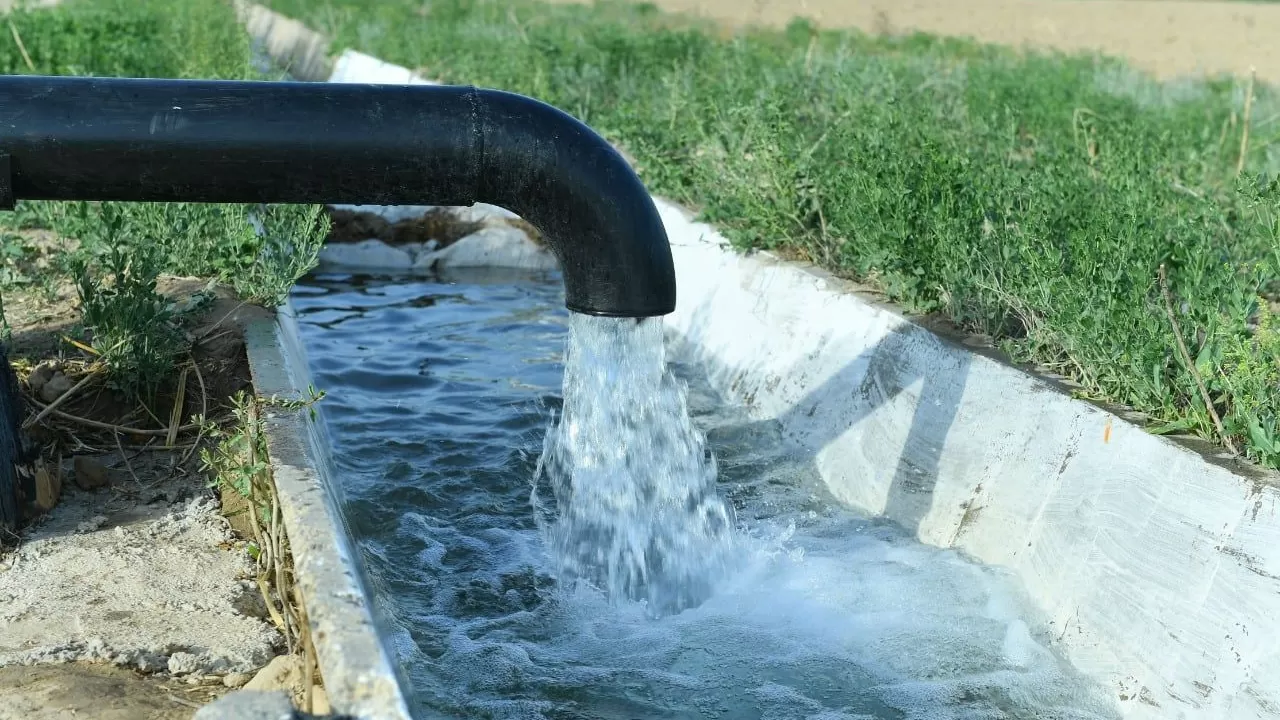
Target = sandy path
(1166,37)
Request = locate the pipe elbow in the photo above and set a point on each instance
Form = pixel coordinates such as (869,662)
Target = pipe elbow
(261,142)
(591,208)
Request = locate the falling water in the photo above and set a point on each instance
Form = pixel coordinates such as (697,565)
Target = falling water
(634,508)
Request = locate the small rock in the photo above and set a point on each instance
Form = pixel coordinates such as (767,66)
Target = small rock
(40,376)
(56,387)
(235,680)
(89,473)
(182,663)
(48,489)
(281,673)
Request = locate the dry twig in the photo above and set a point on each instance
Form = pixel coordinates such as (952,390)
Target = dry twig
(1191,366)
(51,407)
(175,415)
(22,48)
(1244,134)
(204,412)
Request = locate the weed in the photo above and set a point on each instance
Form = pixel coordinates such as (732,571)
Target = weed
(1026,196)
(238,460)
(132,325)
(259,251)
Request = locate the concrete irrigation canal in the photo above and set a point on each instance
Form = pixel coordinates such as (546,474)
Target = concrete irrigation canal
(543,483)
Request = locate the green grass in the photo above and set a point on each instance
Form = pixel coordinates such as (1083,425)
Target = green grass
(121,249)
(1031,198)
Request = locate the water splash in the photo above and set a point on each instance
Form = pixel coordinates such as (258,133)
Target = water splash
(634,509)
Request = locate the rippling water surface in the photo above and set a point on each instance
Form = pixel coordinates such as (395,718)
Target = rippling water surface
(440,394)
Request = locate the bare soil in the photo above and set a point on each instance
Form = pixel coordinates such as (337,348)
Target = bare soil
(1166,38)
(131,597)
(97,692)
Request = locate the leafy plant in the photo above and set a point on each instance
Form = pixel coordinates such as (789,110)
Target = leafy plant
(260,252)
(132,325)
(238,459)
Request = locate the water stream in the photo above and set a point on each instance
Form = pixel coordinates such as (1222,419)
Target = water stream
(634,508)
(637,549)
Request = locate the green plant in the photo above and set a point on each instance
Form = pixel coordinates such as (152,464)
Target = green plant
(1251,379)
(259,251)
(133,329)
(237,458)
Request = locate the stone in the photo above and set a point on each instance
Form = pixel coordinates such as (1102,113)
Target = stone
(56,387)
(249,705)
(367,255)
(496,246)
(40,376)
(236,680)
(183,663)
(89,473)
(284,672)
(262,705)
(48,488)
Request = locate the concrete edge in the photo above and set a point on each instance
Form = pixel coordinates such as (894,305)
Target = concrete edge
(358,675)
(491,247)
(292,46)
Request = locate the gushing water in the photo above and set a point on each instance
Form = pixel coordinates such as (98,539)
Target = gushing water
(437,411)
(632,482)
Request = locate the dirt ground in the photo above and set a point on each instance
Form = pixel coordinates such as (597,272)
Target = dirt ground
(1165,37)
(97,692)
(131,597)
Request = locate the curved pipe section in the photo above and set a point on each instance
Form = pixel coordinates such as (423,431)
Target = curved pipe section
(285,142)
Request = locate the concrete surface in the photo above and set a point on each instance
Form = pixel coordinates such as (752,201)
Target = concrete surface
(356,67)
(1159,570)
(290,45)
(7,5)
(358,676)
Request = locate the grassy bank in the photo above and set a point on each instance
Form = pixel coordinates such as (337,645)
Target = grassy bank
(1031,198)
(114,252)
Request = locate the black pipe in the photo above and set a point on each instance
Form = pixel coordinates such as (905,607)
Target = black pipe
(11,449)
(280,142)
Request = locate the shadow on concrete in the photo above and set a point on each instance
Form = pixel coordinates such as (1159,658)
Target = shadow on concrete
(907,358)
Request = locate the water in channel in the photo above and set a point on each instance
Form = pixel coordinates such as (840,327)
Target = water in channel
(555,526)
